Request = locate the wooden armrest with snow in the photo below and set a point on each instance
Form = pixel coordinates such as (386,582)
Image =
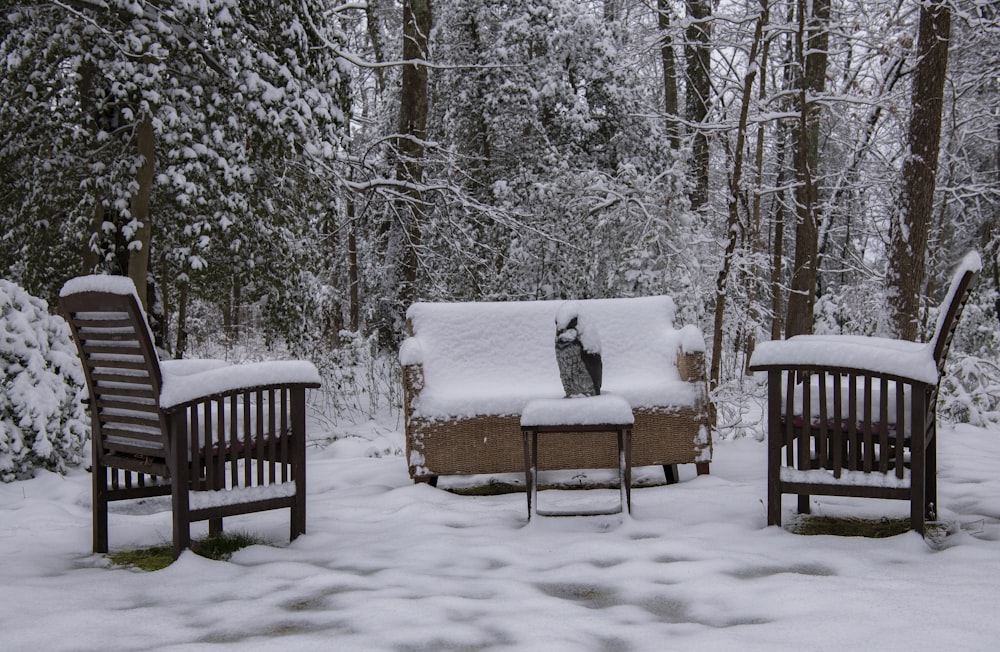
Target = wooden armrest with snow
(469,369)
(856,416)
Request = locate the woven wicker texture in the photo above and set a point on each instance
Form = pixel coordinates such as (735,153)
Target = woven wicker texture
(493,444)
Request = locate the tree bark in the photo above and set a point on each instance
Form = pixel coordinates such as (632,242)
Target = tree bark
(670,106)
(908,246)
(697,51)
(413,109)
(813,41)
(138,246)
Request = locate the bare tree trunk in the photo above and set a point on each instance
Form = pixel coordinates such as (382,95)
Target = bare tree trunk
(670,106)
(138,247)
(413,111)
(755,206)
(698,52)
(182,334)
(908,247)
(735,183)
(813,40)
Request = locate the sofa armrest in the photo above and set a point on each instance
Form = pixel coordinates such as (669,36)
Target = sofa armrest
(691,366)
(413,384)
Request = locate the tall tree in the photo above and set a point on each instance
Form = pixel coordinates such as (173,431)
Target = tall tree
(411,138)
(811,51)
(697,97)
(669,65)
(908,247)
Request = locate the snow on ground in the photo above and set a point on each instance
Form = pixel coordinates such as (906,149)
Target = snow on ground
(388,565)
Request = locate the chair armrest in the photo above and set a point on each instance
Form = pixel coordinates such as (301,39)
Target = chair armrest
(691,366)
(895,359)
(413,383)
(180,390)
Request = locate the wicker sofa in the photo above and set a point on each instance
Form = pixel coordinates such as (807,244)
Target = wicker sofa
(468,369)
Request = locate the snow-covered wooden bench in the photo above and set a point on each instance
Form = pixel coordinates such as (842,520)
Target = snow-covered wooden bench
(469,369)
(857,416)
(220,439)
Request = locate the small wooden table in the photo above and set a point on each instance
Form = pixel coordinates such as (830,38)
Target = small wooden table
(602,414)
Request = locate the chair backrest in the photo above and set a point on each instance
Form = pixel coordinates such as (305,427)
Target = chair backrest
(120,364)
(953,305)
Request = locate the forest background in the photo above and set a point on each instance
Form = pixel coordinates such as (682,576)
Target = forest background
(300,172)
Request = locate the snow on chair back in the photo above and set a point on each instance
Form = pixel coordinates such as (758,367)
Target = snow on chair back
(122,370)
(953,305)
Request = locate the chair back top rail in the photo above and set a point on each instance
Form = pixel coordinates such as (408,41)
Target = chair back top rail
(954,304)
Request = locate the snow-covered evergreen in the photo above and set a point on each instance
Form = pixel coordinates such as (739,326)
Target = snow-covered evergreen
(42,420)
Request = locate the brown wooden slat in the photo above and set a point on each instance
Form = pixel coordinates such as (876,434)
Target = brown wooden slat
(900,426)
(248,441)
(107,376)
(282,432)
(89,336)
(852,423)
(837,443)
(805,434)
(259,439)
(869,448)
(102,348)
(271,441)
(134,365)
(112,401)
(823,445)
(789,434)
(234,443)
(151,421)
(883,427)
(139,391)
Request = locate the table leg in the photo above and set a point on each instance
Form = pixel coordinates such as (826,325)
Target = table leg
(529,475)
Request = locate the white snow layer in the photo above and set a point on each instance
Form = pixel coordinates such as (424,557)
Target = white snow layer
(183,387)
(388,565)
(579,411)
(913,360)
(493,357)
(98,283)
(910,360)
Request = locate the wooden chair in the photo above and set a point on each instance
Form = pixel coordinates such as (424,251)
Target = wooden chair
(221,440)
(857,416)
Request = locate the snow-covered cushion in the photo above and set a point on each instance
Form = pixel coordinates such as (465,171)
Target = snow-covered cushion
(491,358)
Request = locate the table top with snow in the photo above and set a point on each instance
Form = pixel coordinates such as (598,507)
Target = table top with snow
(605,409)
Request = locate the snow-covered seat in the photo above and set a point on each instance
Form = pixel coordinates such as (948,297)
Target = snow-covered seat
(470,368)
(220,439)
(870,407)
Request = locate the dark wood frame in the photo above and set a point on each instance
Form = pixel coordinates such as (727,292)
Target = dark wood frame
(239,440)
(854,440)
(529,434)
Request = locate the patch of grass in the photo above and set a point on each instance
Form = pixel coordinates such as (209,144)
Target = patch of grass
(849,526)
(491,488)
(219,547)
(223,546)
(147,559)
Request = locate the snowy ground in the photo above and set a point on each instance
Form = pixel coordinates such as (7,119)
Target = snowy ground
(388,565)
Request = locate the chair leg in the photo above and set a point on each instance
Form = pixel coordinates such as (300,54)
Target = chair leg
(99,478)
(214,527)
(930,478)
